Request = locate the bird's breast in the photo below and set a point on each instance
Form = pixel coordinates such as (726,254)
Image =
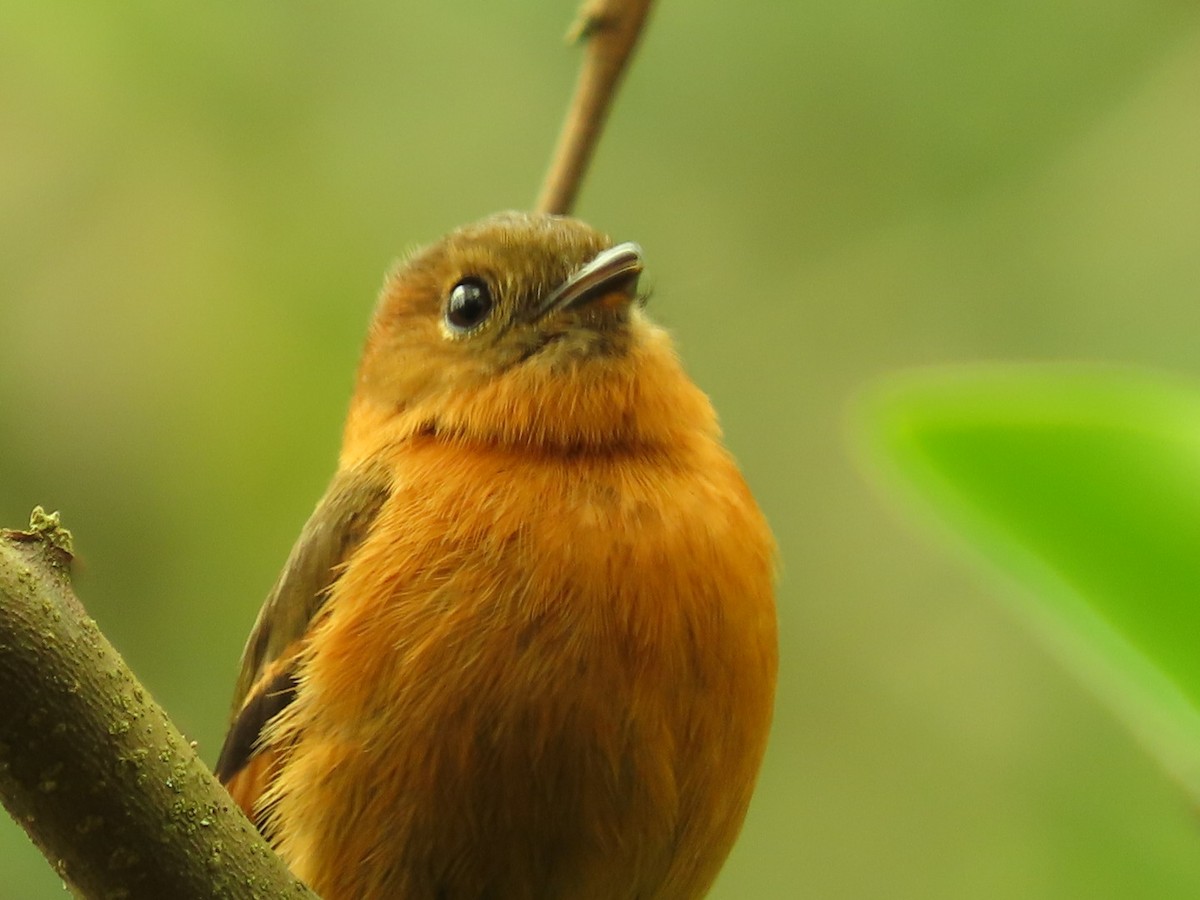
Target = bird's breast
(536,670)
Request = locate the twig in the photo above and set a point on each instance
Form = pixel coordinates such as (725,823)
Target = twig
(611,29)
(92,768)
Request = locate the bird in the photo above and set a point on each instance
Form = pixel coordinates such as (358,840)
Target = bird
(526,644)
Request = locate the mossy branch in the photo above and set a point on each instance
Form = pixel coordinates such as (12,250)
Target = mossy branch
(91,767)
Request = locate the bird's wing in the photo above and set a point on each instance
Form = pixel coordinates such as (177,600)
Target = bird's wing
(267,681)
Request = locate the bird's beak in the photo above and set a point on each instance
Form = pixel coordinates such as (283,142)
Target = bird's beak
(612,270)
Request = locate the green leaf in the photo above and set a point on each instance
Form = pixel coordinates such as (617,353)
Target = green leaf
(1084,485)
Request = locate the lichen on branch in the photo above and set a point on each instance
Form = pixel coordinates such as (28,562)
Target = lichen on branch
(92,768)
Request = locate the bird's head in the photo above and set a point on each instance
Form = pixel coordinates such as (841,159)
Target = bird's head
(522,329)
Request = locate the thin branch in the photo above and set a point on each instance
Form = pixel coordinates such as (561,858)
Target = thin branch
(91,767)
(611,29)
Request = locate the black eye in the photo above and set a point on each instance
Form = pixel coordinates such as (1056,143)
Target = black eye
(470,304)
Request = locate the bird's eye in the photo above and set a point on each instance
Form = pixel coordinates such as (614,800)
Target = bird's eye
(469,305)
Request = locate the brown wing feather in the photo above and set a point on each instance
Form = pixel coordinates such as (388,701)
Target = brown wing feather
(266,700)
(267,682)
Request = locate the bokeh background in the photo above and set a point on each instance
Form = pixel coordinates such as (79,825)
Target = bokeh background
(198,202)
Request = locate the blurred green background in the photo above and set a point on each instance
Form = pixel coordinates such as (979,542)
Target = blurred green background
(198,202)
